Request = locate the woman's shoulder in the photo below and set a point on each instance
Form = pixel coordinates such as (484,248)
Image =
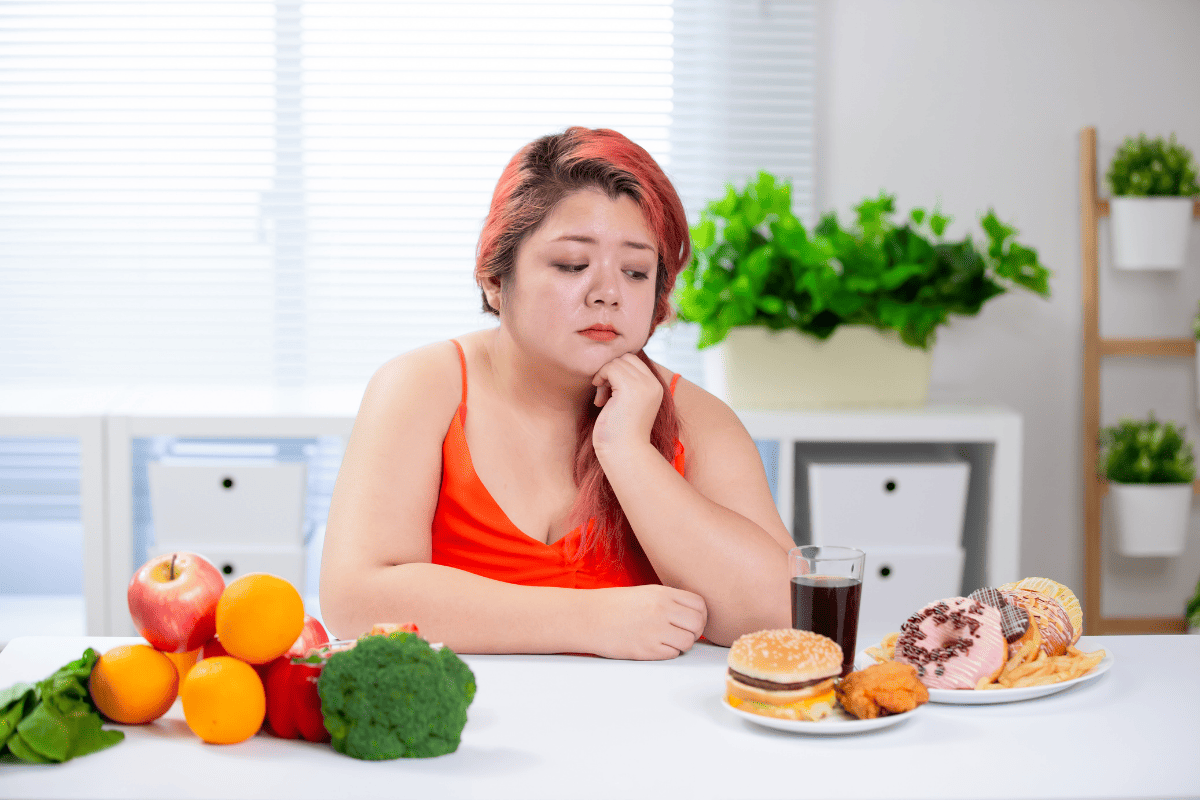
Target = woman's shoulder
(699,410)
(425,381)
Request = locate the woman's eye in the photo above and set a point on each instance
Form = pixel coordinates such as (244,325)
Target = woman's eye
(572,267)
(637,275)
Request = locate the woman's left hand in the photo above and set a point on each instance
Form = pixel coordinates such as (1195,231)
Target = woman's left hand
(629,395)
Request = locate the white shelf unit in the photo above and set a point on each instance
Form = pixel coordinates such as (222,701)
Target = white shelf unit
(988,437)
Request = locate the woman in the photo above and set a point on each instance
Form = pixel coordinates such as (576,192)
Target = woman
(579,497)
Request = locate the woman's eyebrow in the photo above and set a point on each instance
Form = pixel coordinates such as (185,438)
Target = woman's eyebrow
(589,240)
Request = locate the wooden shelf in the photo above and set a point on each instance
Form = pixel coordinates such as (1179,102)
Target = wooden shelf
(1124,625)
(1168,348)
(1103,209)
(1095,347)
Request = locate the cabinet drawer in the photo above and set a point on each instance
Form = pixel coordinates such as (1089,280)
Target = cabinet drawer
(899,581)
(215,504)
(234,561)
(890,505)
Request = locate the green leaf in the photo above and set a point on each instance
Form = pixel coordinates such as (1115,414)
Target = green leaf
(737,233)
(938,223)
(19,748)
(727,204)
(896,276)
(61,722)
(758,264)
(15,702)
(917,215)
(770,304)
(704,234)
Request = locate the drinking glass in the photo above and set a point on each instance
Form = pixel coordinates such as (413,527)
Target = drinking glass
(826,591)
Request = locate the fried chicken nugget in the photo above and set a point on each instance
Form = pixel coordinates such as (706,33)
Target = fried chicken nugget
(882,689)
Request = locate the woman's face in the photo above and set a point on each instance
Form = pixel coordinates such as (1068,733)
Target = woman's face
(582,291)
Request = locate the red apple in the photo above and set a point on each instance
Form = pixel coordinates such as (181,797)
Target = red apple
(173,601)
(313,634)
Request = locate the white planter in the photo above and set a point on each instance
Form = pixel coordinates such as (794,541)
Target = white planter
(858,366)
(1150,232)
(1151,518)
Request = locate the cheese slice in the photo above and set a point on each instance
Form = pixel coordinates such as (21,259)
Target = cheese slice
(798,710)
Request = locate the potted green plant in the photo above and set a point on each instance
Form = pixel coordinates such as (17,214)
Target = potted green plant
(840,315)
(1150,469)
(1153,182)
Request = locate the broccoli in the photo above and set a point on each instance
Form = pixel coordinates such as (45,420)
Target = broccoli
(395,696)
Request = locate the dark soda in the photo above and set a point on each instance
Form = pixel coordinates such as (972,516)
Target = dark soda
(828,605)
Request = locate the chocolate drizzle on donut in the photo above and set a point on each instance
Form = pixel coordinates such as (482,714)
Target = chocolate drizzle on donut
(1014,620)
(958,620)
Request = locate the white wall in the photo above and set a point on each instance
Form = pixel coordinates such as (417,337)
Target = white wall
(978,103)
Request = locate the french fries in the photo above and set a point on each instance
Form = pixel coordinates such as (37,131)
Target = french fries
(1029,666)
(885,649)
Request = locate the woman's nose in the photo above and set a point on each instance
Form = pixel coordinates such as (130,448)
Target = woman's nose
(605,289)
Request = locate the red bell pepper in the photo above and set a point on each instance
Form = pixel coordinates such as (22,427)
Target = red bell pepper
(293,705)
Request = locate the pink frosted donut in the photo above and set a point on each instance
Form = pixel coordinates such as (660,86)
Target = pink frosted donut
(953,643)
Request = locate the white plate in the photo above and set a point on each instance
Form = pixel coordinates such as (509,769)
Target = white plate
(983,697)
(836,724)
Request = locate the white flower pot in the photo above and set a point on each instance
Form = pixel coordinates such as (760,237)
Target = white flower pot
(1150,232)
(858,366)
(1151,518)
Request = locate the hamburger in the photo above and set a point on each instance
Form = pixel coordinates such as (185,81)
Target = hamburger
(783,673)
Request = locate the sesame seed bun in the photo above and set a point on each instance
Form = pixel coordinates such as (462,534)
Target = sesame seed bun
(786,656)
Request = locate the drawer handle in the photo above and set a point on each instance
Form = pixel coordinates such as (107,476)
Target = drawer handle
(885,571)
(227,482)
(890,486)
(227,569)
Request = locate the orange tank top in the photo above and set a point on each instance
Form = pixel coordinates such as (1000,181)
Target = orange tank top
(471,532)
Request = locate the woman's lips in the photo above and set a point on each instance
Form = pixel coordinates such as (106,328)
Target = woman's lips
(599,334)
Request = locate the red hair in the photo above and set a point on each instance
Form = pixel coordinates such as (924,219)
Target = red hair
(535,181)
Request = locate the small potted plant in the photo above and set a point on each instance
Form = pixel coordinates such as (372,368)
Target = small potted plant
(1153,182)
(841,315)
(1150,468)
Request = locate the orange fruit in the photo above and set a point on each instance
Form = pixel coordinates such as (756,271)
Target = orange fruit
(133,683)
(258,617)
(223,700)
(184,661)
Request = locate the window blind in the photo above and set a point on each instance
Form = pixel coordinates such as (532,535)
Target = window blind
(291,191)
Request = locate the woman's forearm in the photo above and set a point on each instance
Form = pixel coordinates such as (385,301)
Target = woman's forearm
(698,545)
(466,612)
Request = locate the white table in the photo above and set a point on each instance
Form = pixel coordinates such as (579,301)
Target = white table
(577,727)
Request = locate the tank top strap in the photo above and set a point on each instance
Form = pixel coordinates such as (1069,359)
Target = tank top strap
(674,380)
(462,360)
